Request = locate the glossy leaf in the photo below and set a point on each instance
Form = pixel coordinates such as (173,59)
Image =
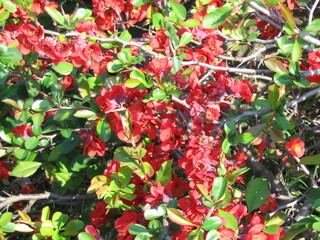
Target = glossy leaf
(85,236)
(163,175)
(191,23)
(231,220)
(5,218)
(275,65)
(84,113)
(219,187)
(282,79)
(211,223)
(25,169)
(310,160)
(64,68)
(55,14)
(288,16)
(179,10)
(177,217)
(296,51)
(257,193)
(41,105)
(216,17)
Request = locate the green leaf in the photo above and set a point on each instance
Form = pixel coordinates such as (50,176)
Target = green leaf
(312,28)
(271,229)
(59,219)
(9,227)
(246,137)
(216,17)
(11,56)
(132,82)
(231,220)
(115,66)
(163,175)
(310,160)
(157,21)
(138,3)
(152,214)
(282,121)
(296,51)
(177,64)
(41,105)
(226,145)
(213,235)
(257,193)
(219,187)
(75,224)
(288,16)
(55,15)
(31,143)
(64,68)
(211,223)
(85,236)
(47,231)
(159,94)
(124,174)
(303,83)
(137,229)
(185,38)
(229,128)
(179,10)
(191,23)
(5,218)
(276,65)
(103,129)
(62,115)
(177,217)
(80,15)
(125,36)
(45,213)
(84,113)
(273,96)
(25,169)
(21,153)
(282,79)
(125,55)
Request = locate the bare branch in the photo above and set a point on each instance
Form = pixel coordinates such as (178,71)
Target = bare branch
(7,201)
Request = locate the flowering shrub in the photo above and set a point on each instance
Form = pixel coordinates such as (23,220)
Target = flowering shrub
(144,119)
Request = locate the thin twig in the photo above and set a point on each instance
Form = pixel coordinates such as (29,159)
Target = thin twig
(314,6)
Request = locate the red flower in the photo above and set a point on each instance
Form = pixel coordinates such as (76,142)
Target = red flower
(170,135)
(23,130)
(123,223)
(4,170)
(99,214)
(296,147)
(269,205)
(160,67)
(92,144)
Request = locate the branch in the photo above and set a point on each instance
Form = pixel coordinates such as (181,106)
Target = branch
(292,103)
(6,201)
(312,11)
(226,69)
(306,171)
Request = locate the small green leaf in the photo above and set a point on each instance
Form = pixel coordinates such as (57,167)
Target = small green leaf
(5,218)
(303,83)
(132,82)
(81,14)
(159,94)
(231,220)
(246,137)
(152,214)
(177,217)
(47,231)
(163,175)
(138,3)
(276,65)
(229,128)
(282,79)
(103,130)
(219,187)
(310,160)
(157,20)
(179,10)
(124,174)
(137,229)
(115,66)
(62,115)
(31,143)
(125,36)
(85,236)
(21,153)
(191,23)
(296,51)
(257,193)
(288,16)
(216,17)
(75,224)
(84,113)
(57,16)
(64,68)
(11,56)
(25,169)
(211,223)
(273,96)
(41,105)
(185,38)
(226,145)
(59,219)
